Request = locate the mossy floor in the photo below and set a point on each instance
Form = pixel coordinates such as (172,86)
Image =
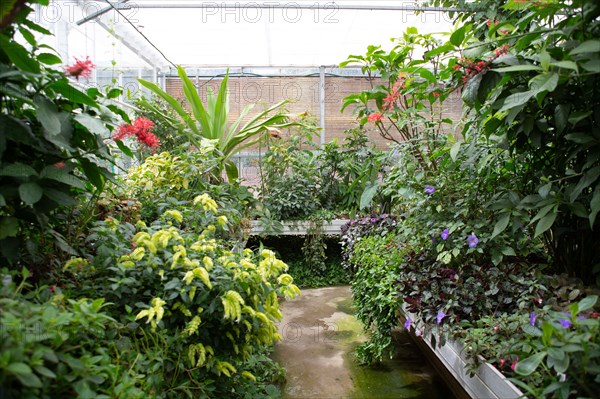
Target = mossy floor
(320,334)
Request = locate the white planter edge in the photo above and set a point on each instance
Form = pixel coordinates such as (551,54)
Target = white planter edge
(487,382)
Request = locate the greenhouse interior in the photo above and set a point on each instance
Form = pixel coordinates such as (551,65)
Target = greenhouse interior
(310,199)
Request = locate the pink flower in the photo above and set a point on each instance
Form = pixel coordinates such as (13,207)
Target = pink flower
(59,165)
(514,364)
(375,117)
(80,68)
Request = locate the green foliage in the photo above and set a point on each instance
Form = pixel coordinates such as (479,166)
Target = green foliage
(52,146)
(535,62)
(210,121)
(563,350)
(290,174)
(52,346)
(374,292)
(298,181)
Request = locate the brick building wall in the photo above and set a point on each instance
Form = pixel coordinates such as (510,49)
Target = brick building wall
(304,93)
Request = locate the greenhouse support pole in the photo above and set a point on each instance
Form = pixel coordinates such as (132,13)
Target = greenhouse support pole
(322,103)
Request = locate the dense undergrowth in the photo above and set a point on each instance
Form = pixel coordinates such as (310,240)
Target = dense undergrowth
(306,275)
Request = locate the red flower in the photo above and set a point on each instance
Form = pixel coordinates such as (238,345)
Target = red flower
(59,165)
(375,117)
(141,130)
(595,315)
(80,68)
(436,94)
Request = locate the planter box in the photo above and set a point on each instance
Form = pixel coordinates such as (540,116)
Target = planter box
(451,362)
(300,227)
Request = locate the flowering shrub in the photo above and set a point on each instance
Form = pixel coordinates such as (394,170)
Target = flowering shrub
(214,307)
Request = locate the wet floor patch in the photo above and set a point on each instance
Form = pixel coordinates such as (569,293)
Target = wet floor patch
(320,334)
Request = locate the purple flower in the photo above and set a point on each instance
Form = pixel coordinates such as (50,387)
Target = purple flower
(407,323)
(472,240)
(385,215)
(565,323)
(373,220)
(429,190)
(440,316)
(445,234)
(532,317)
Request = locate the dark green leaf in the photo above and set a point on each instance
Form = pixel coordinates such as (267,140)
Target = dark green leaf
(94,125)
(545,223)
(49,59)
(545,190)
(595,207)
(124,148)
(9,227)
(19,56)
(587,303)
(367,195)
(69,92)
(561,116)
(546,82)
(28,36)
(18,170)
(528,365)
(18,368)
(566,65)
(589,46)
(61,175)
(458,35)
(41,370)
(30,193)
(93,173)
(471,90)
(48,115)
(501,224)
(519,68)
(580,138)
(516,100)
(586,180)
(59,197)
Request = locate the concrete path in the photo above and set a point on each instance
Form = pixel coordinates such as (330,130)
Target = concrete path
(320,334)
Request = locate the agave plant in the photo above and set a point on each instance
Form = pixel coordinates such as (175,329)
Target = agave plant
(210,121)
